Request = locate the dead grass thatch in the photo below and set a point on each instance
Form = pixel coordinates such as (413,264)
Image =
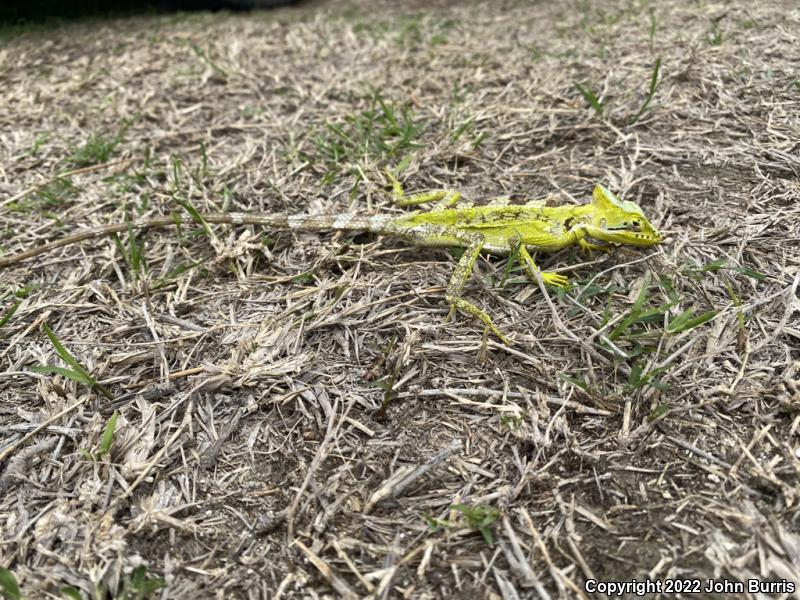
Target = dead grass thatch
(294,418)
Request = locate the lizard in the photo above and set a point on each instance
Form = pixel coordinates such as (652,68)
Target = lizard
(497,228)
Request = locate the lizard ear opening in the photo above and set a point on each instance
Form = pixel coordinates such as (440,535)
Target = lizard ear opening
(603,198)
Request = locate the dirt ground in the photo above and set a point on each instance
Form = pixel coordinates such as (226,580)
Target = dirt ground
(232,412)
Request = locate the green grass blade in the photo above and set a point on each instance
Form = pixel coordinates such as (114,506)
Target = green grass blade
(513,259)
(641,297)
(480,518)
(121,248)
(64,354)
(686,320)
(388,113)
(68,373)
(737,302)
(580,383)
(194,213)
(136,251)
(653,27)
(748,272)
(108,434)
(715,265)
(8,313)
(651,92)
(591,98)
(635,378)
(72,362)
(70,593)
(9,588)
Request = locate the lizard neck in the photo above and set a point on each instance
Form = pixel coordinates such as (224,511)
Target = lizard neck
(576,215)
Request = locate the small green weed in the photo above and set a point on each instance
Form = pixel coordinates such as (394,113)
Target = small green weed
(305,278)
(600,107)
(513,259)
(387,384)
(461,122)
(384,131)
(513,422)
(639,332)
(632,327)
(638,378)
(659,411)
(576,380)
(140,586)
(737,302)
(52,195)
(171,277)
(194,214)
(686,320)
(98,149)
(481,518)
(70,592)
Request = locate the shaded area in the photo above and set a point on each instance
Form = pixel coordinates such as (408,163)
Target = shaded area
(53,12)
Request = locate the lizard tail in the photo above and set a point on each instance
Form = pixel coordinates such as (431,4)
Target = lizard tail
(342,222)
(304,222)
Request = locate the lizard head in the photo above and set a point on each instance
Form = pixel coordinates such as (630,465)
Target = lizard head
(620,221)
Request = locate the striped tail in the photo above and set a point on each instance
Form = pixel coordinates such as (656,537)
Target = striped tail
(303,222)
(341,222)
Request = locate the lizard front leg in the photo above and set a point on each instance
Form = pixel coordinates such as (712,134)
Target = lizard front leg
(555,279)
(474,243)
(580,234)
(443,198)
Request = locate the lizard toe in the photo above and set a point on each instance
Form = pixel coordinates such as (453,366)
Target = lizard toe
(555,279)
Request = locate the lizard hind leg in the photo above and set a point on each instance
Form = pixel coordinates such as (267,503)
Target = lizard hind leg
(443,198)
(555,279)
(471,309)
(474,243)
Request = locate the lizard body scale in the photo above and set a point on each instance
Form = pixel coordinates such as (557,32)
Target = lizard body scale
(494,228)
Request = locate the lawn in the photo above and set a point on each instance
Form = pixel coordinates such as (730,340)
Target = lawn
(237,412)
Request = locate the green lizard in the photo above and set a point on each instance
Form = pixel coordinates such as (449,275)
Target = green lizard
(497,228)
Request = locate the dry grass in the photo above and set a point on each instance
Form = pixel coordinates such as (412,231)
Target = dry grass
(295,419)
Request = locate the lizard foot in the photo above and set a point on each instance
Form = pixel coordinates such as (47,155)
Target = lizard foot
(554,279)
(471,309)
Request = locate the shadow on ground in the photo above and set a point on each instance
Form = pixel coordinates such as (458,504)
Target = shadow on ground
(53,12)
